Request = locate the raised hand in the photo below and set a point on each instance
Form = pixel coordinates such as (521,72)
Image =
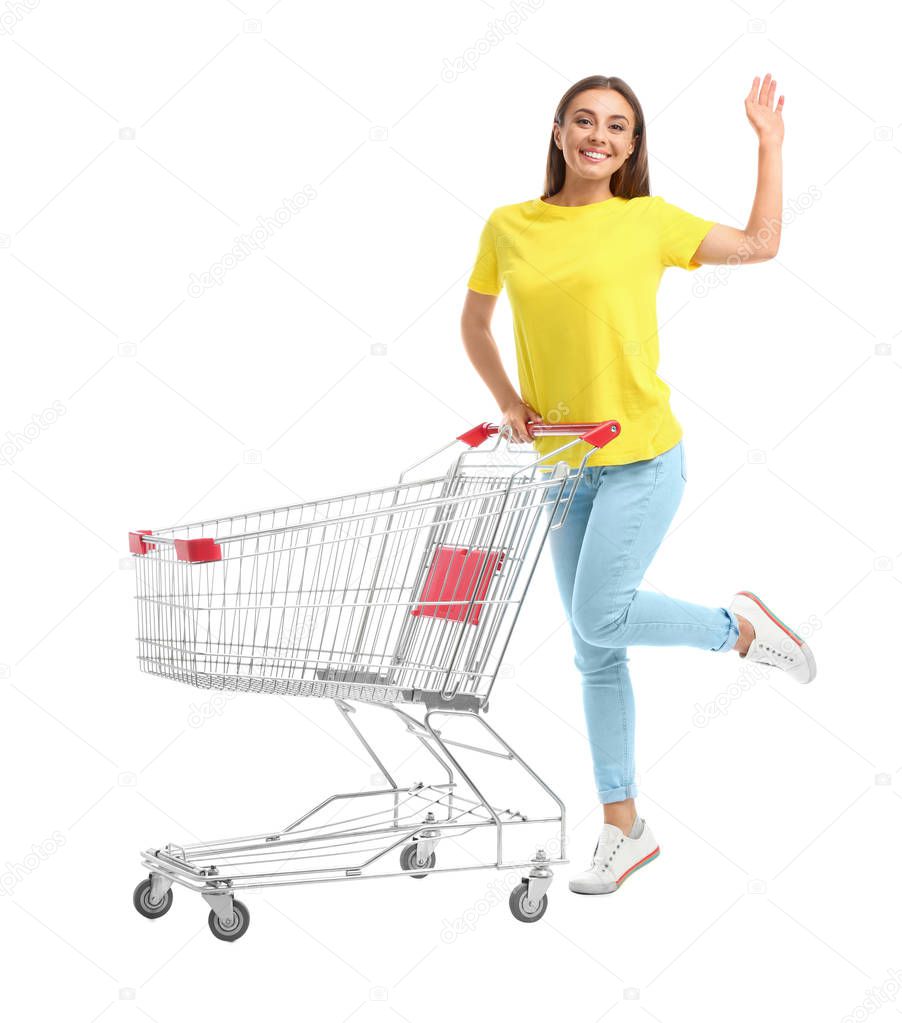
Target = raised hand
(763,117)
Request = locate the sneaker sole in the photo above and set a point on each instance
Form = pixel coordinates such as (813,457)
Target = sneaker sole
(651,856)
(803,646)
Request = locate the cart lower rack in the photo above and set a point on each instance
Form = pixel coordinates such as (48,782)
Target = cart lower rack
(402,598)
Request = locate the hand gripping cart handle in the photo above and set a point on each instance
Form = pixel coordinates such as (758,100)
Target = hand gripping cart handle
(597,435)
(398,605)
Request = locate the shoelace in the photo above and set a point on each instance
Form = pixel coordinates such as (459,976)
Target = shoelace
(603,864)
(773,651)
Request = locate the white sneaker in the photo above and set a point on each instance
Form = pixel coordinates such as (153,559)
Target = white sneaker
(616,857)
(774,644)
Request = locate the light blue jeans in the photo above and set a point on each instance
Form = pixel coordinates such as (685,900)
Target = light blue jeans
(616,523)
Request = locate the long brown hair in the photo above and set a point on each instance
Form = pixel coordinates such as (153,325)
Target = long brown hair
(628,181)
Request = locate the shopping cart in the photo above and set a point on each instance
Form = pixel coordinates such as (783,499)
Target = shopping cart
(403,598)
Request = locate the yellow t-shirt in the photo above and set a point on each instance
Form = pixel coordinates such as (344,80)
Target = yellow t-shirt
(582,284)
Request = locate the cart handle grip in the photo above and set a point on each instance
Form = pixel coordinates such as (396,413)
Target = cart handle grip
(596,434)
(197,550)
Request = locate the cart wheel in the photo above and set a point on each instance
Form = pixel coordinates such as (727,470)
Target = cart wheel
(145,906)
(241,919)
(409,860)
(525,910)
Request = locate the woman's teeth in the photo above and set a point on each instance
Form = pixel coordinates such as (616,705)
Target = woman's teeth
(595,157)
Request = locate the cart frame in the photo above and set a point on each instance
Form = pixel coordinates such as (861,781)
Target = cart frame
(414,819)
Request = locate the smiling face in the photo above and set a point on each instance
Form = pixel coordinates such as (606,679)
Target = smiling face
(596,137)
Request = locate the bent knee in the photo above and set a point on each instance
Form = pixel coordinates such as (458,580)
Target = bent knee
(604,630)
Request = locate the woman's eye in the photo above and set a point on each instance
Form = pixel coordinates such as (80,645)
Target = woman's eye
(580,120)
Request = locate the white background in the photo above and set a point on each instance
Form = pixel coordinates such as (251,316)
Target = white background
(777,808)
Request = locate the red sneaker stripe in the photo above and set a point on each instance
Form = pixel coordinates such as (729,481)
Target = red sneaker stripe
(773,617)
(644,859)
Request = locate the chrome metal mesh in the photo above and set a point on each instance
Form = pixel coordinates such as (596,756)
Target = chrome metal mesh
(329,598)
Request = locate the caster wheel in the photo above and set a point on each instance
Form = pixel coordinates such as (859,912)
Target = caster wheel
(524,910)
(232,931)
(146,906)
(409,860)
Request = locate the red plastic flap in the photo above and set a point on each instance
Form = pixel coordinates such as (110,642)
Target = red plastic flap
(477,435)
(603,434)
(138,546)
(203,548)
(452,580)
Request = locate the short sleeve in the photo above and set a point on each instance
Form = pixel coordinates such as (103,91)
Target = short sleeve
(485,277)
(680,234)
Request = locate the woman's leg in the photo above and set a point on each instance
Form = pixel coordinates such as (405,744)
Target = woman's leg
(616,523)
(631,511)
(607,691)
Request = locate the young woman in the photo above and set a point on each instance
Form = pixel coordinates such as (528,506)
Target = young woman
(582,266)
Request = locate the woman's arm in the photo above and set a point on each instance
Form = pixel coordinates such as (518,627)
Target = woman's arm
(761,238)
(475,328)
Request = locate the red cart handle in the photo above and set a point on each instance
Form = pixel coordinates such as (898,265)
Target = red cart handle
(197,550)
(205,549)
(596,434)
